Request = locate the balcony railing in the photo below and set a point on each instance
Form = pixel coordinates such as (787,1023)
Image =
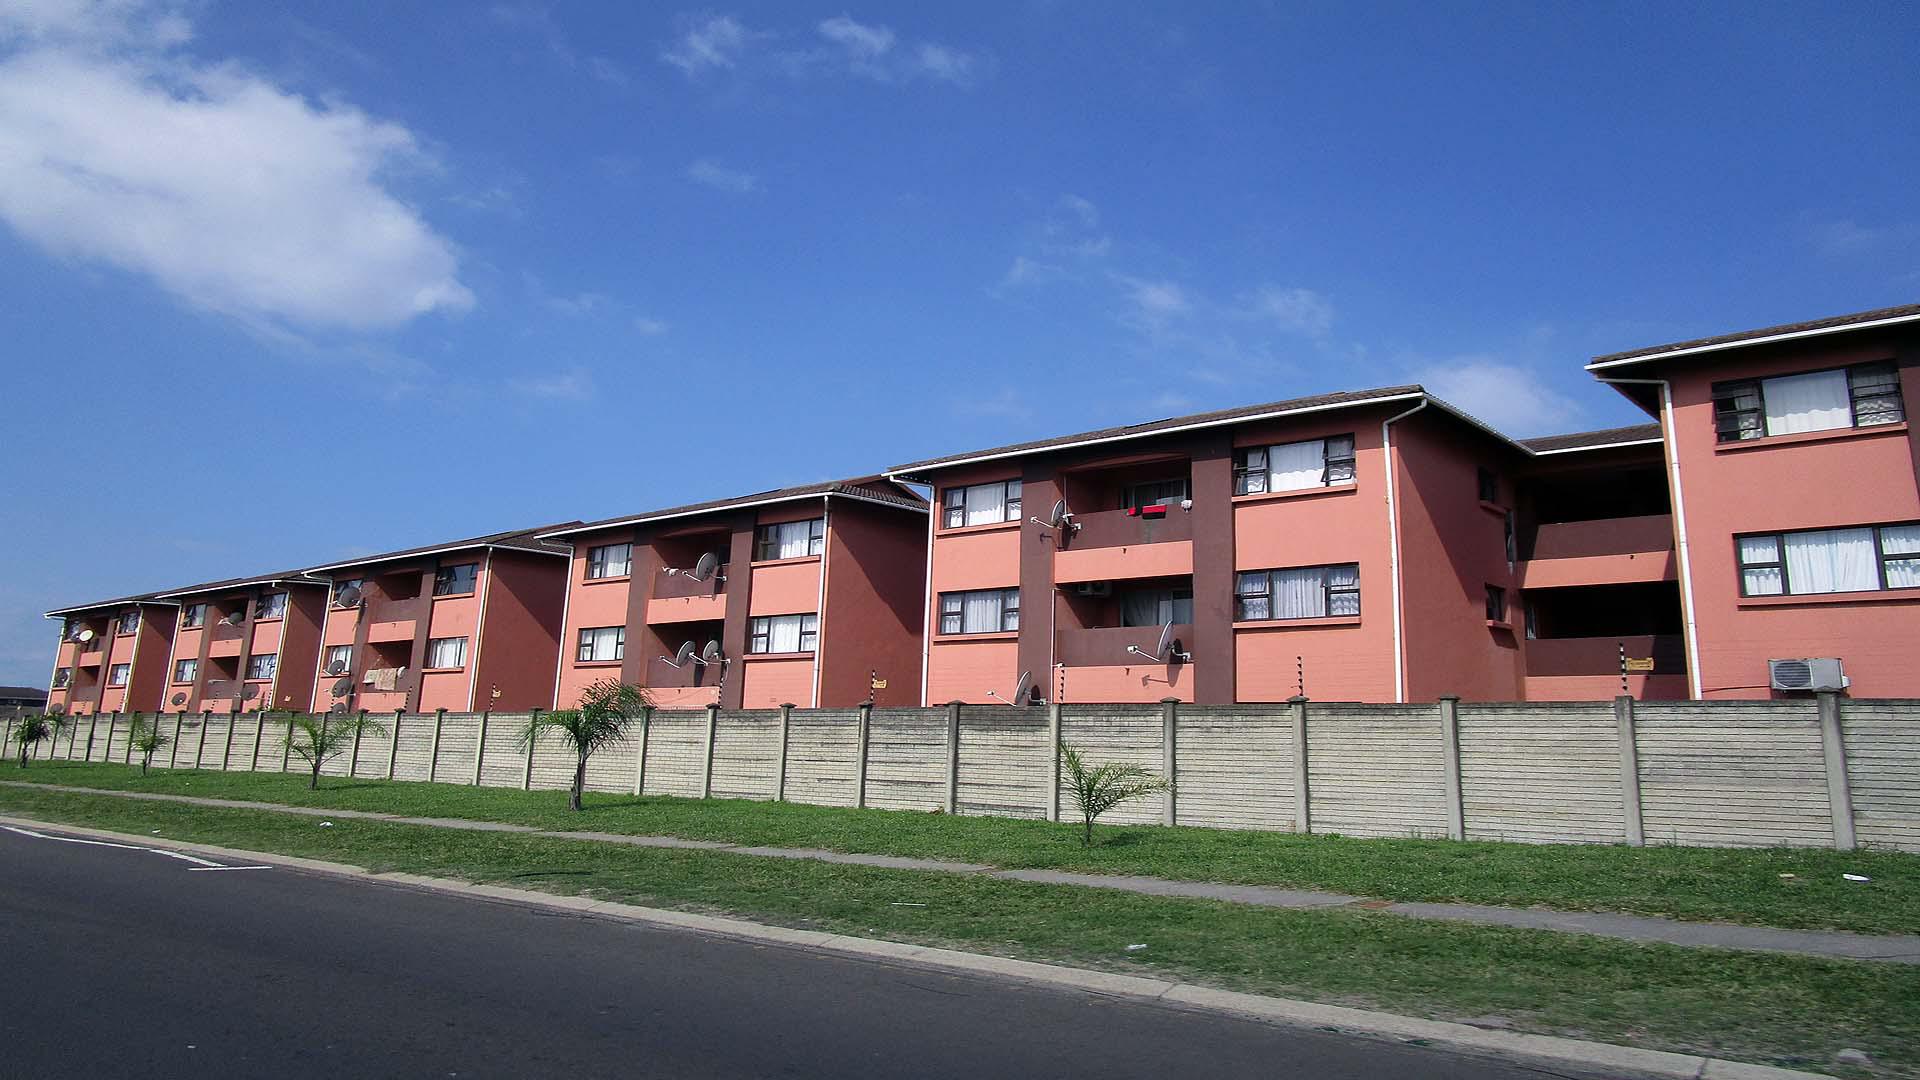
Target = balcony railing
(1605,536)
(1601,655)
(1106,646)
(667,586)
(664,675)
(1123,528)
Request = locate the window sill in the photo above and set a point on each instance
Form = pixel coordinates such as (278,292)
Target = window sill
(440,671)
(996,526)
(1802,437)
(1297,624)
(268,618)
(795,561)
(455,596)
(991,635)
(1347,488)
(1499,624)
(751,657)
(597,663)
(1493,508)
(620,579)
(1875,596)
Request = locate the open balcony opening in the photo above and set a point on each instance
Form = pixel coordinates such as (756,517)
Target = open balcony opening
(1595,494)
(1585,630)
(681,558)
(1135,501)
(1096,621)
(667,670)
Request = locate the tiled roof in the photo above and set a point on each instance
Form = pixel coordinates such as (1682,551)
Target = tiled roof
(872,488)
(1832,324)
(290,576)
(137,598)
(1593,440)
(518,539)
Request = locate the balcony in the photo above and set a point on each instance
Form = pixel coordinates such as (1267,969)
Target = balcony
(1119,544)
(391,630)
(1601,655)
(1106,646)
(1606,536)
(678,598)
(674,586)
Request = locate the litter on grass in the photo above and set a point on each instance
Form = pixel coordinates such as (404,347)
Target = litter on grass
(326,824)
(1856,877)
(902,903)
(1135,948)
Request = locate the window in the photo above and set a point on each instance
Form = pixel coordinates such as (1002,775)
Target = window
(193,616)
(1156,493)
(981,504)
(118,674)
(342,586)
(1156,607)
(62,677)
(980,611)
(185,670)
(1293,466)
(262,667)
(1512,542)
(129,622)
(1496,604)
(1830,561)
(609,560)
(1860,396)
(1489,486)
(791,539)
(447,652)
(602,643)
(339,659)
(784,634)
(1308,592)
(272,606)
(455,580)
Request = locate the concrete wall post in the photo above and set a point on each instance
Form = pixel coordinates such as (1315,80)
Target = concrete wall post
(953,758)
(92,723)
(1450,761)
(259,729)
(433,748)
(780,764)
(640,758)
(286,749)
(706,769)
(353,756)
(393,745)
(526,776)
(226,748)
(480,748)
(1629,770)
(1053,756)
(1169,725)
(199,747)
(862,735)
(1302,794)
(1839,786)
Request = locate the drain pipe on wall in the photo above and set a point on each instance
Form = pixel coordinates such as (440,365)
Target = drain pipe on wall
(1679,526)
(1393,536)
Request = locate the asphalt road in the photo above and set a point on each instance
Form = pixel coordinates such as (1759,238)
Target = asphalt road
(128,963)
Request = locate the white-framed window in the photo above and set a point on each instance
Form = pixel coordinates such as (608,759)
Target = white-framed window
(791,539)
(980,504)
(129,622)
(339,660)
(1156,606)
(783,634)
(447,652)
(118,674)
(193,616)
(185,671)
(62,678)
(1294,466)
(263,666)
(1864,559)
(1864,395)
(602,643)
(980,611)
(609,560)
(272,606)
(455,580)
(1304,592)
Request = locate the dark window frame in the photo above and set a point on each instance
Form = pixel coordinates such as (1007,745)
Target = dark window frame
(1735,421)
(431,666)
(1328,591)
(1336,467)
(1881,557)
(192,675)
(446,579)
(766,540)
(760,633)
(1488,483)
(1009,611)
(1497,604)
(62,678)
(265,609)
(193,616)
(327,657)
(120,674)
(1130,500)
(272,659)
(584,643)
(598,561)
(128,622)
(953,502)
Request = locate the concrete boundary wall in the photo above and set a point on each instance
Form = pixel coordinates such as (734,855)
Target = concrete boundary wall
(1818,772)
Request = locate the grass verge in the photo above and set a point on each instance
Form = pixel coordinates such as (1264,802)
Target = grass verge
(1743,1006)
(1742,885)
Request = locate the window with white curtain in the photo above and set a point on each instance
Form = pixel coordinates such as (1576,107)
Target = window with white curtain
(262,667)
(1863,559)
(272,606)
(602,643)
(1156,493)
(783,634)
(62,677)
(980,611)
(1860,396)
(609,560)
(1294,466)
(129,622)
(118,674)
(339,659)
(1306,592)
(791,539)
(1156,607)
(193,616)
(185,671)
(455,580)
(447,652)
(980,504)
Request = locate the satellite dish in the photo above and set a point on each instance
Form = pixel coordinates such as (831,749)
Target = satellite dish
(85,635)
(1166,639)
(56,710)
(681,658)
(1167,650)
(1024,687)
(348,597)
(705,566)
(235,618)
(249,692)
(338,707)
(178,699)
(712,654)
(343,688)
(336,667)
(1060,514)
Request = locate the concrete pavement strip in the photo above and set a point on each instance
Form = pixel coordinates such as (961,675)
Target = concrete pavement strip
(1830,944)
(1606,1058)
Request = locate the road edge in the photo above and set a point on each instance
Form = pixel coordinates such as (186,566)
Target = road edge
(1617,1060)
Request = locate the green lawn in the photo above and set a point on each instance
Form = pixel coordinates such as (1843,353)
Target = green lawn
(1742,1006)
(1719,884)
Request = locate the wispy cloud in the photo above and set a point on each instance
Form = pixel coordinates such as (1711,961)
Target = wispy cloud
(537,22)
(1026,272)
(649,327)
(1153,304)
(1301,311)
(1512,397)
(1844,238)
(869,51)
(573,385)
(710,173)
(708,42)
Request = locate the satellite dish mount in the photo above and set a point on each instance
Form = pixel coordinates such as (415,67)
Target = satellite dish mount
(680,658)
(1022,691)
(1061,518)
(1167,651)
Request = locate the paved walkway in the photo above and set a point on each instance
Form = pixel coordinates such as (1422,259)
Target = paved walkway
(1893,948)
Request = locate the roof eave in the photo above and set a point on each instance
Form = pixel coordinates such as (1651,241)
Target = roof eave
(744,504)
(1744,343)
(375,560)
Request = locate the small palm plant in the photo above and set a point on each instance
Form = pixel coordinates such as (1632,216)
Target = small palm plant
(147,738)
(36,728)
(605,709)
(317,739)
(1096,791)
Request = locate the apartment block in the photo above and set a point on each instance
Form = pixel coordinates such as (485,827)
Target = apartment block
(245,644)
(807,595)
(112,656)
(469,625)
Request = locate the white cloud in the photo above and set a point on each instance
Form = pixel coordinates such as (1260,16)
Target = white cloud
(1156,301)
(720,178)
(946,64)
(538,22)
(1510,397)
(1845,238)
(1302,311)
(228,191)
(868,51)
(862,43)
(713,41)
(574,385)
(1025,272)
(650,327)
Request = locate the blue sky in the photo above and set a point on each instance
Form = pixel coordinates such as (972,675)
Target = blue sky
(278,288)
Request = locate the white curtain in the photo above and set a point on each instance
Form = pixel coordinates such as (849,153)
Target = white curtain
(1344,577)
(791,539)
(1143,608)
(784,634)
(1837,560)
(1298,594)
(1814,402)
(1296,465)
(981,614)
(1764,580)
(986,504)
(1252,604)
(1902,540)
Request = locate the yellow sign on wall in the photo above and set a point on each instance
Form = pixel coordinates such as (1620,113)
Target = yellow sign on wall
(1639,663)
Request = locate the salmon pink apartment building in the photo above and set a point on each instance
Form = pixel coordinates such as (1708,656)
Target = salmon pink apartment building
(808,596)
(112,656)
(245,644)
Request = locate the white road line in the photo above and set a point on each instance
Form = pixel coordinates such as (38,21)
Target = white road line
(193,869)
(204,864)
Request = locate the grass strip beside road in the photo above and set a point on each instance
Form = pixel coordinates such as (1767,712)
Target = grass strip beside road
(1739,885)
(1743,1006)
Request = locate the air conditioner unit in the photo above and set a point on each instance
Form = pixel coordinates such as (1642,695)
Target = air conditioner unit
(1093,588)
(1809,673)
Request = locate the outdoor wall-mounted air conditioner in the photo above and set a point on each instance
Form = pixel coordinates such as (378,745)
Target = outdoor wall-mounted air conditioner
(1093,588)
(1809,673)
